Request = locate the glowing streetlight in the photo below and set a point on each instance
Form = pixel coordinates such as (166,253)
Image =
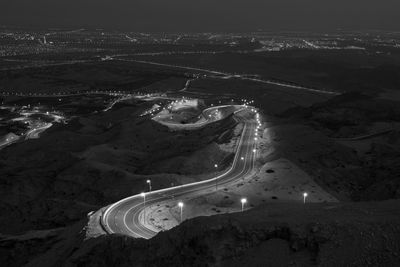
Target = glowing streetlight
(242,158)
(304,197)
(149,183)
(254,150)
(243,201)
(180,204)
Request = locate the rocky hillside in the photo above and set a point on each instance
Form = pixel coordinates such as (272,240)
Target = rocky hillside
(350,144)
(94,161)
(340,234)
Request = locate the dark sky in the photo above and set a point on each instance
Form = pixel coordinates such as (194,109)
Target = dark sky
(204,15)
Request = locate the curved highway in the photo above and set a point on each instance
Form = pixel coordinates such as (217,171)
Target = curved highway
(124,217)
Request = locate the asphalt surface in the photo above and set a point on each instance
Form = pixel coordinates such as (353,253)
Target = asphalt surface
(35,132)
(126,217)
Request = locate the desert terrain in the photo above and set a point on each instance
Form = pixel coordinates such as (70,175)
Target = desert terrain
(338,142)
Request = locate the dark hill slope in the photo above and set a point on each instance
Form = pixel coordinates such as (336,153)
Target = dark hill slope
(339,234)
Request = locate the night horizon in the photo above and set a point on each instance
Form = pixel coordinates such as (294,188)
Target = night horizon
(204,16)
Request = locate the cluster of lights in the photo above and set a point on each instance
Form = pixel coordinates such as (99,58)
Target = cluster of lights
(258,125)
(216,113)
(122,94)
(64,93)
(184,100)
(25,113)
(76,93)
(151,111)
(247,102)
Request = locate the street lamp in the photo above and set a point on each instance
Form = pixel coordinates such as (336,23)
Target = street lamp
(243,201)
(149,183)
(242,158)
(304,197)
(180,204)
(143,195)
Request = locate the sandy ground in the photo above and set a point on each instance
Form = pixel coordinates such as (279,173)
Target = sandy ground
(277,181)
(364,143)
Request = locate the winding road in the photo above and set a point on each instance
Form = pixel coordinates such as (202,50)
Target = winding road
(126,216)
